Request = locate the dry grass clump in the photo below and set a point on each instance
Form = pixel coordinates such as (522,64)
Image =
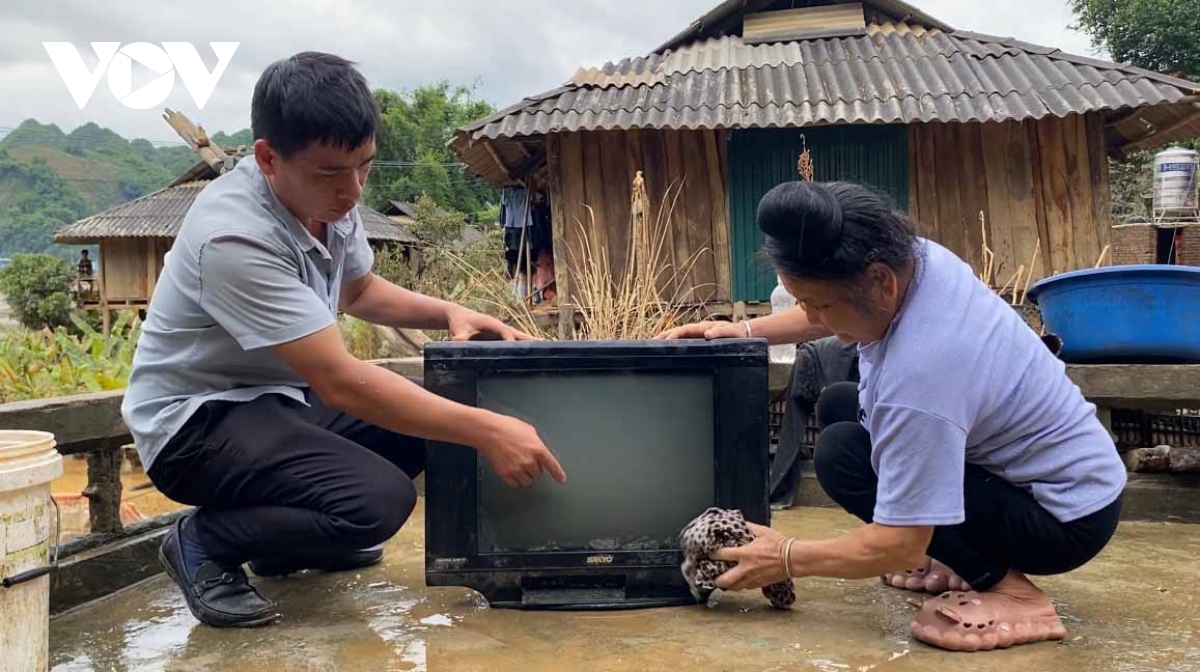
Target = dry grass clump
(613,303)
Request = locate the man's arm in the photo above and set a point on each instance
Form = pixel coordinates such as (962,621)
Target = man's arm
(378,301)
(375,300)
(380,397)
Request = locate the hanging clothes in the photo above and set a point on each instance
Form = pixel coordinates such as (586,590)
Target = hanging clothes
(513,211)
(539,230)
(513,216)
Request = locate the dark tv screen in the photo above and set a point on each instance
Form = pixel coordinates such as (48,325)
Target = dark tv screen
(637,448)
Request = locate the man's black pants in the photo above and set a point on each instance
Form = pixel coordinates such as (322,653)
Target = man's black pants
(274,478)
(1005,527)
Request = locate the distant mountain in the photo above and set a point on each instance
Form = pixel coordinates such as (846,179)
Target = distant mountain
(49,178)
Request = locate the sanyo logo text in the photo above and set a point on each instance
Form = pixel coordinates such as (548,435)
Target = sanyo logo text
(164,61)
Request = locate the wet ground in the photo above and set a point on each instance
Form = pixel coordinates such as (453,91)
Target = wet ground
(1135,608)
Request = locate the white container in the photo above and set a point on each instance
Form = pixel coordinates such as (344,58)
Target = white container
(28,463)
(781,300)
(1175,182)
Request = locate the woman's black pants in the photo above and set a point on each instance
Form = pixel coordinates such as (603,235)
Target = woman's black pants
(1005,527)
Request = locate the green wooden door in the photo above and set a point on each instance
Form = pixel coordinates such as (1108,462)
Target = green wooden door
(759,159)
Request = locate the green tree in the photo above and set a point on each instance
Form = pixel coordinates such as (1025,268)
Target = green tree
(40,202)
(38,289)
(415,129)
(242,137)
(49,179)
(443,266)
(1159,35)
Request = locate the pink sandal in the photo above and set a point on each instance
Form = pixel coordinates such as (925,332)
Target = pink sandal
(958,621)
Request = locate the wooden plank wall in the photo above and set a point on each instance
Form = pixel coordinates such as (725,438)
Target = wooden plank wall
(590,183)
(161,246)
(1041,180)
(127,268)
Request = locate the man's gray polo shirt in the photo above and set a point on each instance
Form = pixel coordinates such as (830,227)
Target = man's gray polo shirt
(243,275)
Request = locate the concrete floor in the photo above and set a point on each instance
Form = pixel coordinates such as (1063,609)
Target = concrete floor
(1135,608)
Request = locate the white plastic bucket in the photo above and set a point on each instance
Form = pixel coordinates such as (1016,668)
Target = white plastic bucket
(28,463)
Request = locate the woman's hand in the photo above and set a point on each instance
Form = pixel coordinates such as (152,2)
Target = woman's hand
(759,563)
(465,324)
(707,330)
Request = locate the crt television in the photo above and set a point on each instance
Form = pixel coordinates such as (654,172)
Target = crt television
(650,434)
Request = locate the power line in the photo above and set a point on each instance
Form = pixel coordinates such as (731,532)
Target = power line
(94,135)
(418,165)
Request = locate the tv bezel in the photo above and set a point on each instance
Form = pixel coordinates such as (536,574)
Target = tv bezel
(586,579)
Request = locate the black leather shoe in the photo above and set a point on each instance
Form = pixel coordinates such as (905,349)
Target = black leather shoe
(217,597)
(324,562)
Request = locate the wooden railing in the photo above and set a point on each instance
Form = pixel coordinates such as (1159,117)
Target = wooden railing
(91,424)
(87,424)
(87,288)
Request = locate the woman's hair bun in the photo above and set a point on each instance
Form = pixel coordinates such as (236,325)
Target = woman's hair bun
(805,218)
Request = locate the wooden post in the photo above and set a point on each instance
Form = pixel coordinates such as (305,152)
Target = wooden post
(209,151)
(104,490)
(1039,198)
(150,276)
(105,318)
(720,213)
(566,321)
(739,311)
(558,224)
(1104,415)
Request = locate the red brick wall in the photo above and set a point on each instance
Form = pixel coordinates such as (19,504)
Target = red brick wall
(1189,248)
(1134,244)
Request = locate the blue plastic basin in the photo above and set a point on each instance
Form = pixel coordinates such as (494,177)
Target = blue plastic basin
(1123,314)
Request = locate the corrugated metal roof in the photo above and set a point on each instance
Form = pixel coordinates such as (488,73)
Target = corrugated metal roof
(406,209)
(154,215)
(895,74)
(894,10)
(381,227)
(732,52)
(160,214)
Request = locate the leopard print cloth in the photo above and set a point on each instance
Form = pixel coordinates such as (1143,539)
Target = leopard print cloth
(719,528)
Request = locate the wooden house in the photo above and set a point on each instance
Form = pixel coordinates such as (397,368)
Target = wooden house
(405,214)
(949,123)
(134,237)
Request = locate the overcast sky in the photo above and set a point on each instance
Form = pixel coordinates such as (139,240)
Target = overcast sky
(510,49)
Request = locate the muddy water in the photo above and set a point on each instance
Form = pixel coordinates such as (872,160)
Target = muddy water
(1136,608)
(139,498)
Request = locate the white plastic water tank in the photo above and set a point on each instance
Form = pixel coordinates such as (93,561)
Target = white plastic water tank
(1175,181)
(781,300)
(28,464)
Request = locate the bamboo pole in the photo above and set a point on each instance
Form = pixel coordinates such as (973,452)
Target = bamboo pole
(1032,265)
